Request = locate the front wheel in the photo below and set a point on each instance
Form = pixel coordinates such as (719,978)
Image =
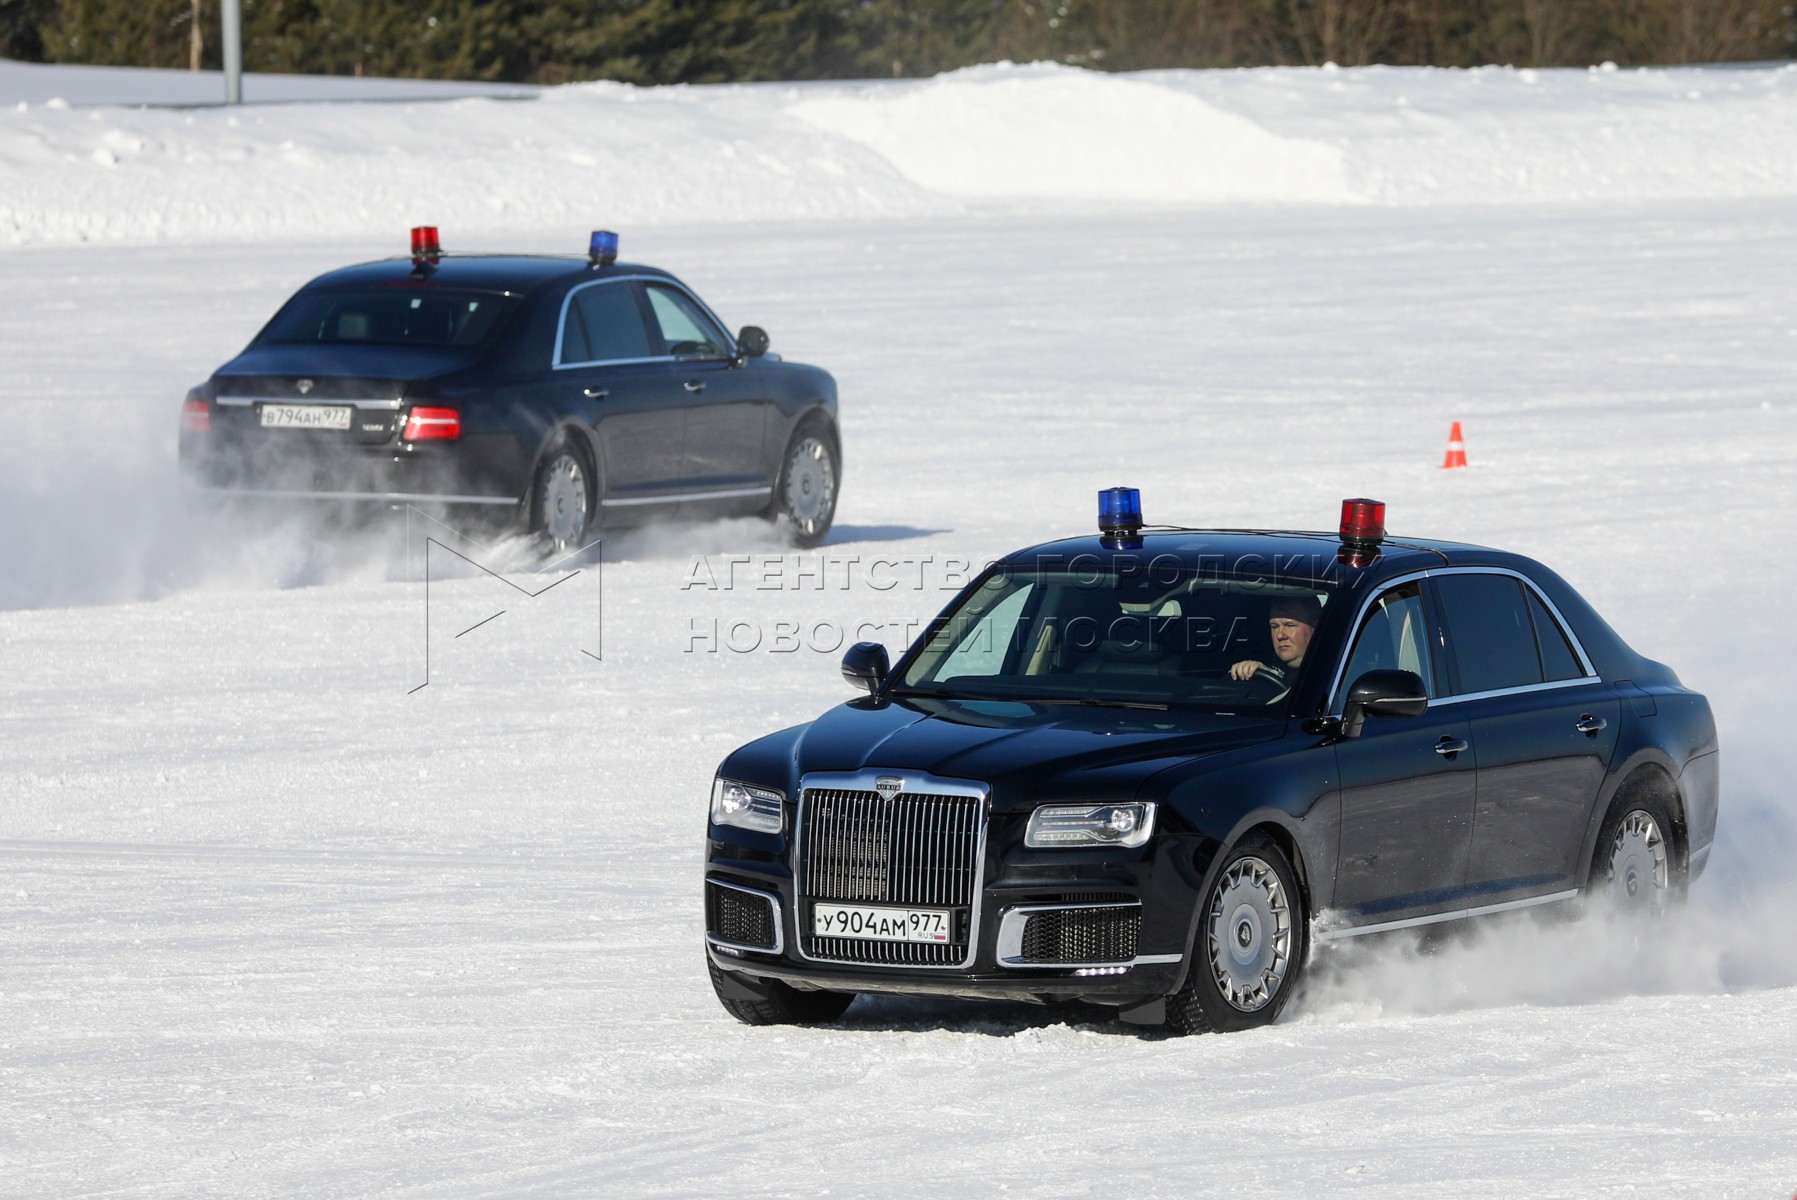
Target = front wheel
(805,496)
(1250,946)
(783,1005)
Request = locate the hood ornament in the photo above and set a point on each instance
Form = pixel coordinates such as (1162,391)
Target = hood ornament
(889,786)
(304,386)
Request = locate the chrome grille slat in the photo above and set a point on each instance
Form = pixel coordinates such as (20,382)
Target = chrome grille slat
(917,849)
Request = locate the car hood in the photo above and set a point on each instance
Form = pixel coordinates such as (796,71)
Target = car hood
(341,361)
(1018,749)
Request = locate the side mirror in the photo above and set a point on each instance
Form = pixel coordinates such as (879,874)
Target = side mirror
(1383,694)
(865,665)
(751,342)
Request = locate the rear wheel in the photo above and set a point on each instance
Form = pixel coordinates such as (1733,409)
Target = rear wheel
(783,1005)
(1635,870)
(1250,946)
(805,494)
(562,499)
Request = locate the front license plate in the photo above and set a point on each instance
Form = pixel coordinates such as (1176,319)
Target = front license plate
(882,924)
(305,416)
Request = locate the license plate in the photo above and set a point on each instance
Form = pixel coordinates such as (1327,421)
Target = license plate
(882,924)
(305,416)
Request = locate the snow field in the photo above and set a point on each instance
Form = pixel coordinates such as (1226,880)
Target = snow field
(272,926)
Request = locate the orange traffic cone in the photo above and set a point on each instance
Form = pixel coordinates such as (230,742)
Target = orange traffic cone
(1456,449)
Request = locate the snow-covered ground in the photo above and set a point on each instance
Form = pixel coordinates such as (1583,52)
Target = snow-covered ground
(269,925)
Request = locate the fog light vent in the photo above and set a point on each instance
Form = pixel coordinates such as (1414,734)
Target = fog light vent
(739,918)
(1082,935)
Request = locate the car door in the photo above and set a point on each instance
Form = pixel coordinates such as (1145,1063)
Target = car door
(1407,783)
(1545,727)
(610,369)
(727,407)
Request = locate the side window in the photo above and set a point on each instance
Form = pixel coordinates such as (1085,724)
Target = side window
(612,322)
(1490,634)
(574,339)
(1557,659)
(688,332)
(1393,636)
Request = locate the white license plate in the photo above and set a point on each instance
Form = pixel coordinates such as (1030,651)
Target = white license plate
(306,416)
(882,924)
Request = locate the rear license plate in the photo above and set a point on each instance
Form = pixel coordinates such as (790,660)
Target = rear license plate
(882,924)
(306,416)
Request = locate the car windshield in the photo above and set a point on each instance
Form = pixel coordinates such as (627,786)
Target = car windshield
(388,316)
(1152,636)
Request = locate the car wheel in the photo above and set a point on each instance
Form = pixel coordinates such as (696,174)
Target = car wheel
(805,496)
(783,1006)
(1635,869)
(563,499)
(1250,946)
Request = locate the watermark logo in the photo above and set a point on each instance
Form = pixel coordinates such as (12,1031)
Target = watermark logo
(451,588)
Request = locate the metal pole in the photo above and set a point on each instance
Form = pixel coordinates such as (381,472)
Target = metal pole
(231,17)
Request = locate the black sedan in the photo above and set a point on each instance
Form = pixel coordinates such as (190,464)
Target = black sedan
(559,393)
(1148,769)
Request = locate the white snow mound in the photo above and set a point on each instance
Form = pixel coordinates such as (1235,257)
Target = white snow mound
(1047,132)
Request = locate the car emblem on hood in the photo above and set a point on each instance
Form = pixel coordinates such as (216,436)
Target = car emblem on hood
(304,386)
(889,786)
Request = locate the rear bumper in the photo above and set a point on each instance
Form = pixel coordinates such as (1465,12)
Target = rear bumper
(481,470)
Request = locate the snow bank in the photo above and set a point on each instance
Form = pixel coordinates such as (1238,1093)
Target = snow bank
(1049,132)
(1021,138)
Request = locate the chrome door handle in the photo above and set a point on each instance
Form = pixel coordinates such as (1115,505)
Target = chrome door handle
(1448,747)
(693,385)
(596,393)
(1591,726)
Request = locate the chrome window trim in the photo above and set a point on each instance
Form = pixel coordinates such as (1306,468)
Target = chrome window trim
(561,325)
(1331,935)
(1338,700)
(915,781)
(1010,939)
(779,924)
(251,401)
(676,497)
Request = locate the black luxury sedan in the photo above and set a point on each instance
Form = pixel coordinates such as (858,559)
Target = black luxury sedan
(1147,769)
(558,393)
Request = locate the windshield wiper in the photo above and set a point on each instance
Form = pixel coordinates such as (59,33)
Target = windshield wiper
(1087,702)
(936,693)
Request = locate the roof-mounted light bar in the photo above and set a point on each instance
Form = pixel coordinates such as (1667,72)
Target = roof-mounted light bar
(602,250)
(426,249)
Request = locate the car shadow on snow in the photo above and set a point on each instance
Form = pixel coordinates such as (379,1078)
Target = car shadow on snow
(991,1018)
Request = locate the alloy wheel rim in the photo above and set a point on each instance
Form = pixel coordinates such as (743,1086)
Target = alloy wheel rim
(810,488)
(564,501)
(1638,870)
(1250,934)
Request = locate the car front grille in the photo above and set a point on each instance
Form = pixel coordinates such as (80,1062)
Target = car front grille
(739,918)
(917,850)
(1082,935)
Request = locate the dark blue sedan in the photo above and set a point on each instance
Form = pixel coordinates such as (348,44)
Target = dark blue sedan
(1149,769)
(562,394)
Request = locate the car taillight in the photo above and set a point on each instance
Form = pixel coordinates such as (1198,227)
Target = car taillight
(196,416)
(432,424)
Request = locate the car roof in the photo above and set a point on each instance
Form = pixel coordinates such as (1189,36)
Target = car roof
(1289,553)
(482,272)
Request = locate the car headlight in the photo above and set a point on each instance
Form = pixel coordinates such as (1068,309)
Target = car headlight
(1055,825)
(738,804)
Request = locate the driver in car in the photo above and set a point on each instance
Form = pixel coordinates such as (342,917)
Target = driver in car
(1290,622)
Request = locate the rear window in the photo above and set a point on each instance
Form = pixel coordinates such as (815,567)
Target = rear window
(388,317)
